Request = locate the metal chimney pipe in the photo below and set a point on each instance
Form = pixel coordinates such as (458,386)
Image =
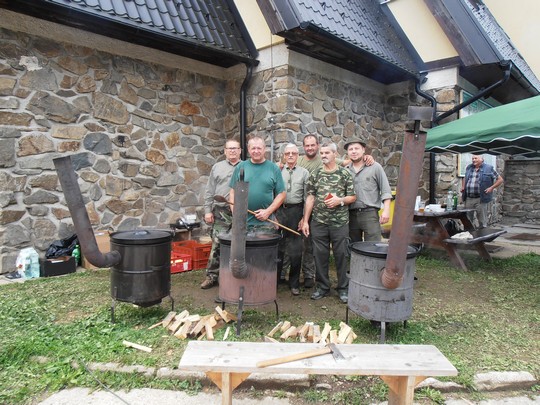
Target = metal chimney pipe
(83,228)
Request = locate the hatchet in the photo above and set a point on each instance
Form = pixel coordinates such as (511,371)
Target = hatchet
(329,348)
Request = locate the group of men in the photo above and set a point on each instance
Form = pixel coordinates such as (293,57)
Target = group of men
(331,201)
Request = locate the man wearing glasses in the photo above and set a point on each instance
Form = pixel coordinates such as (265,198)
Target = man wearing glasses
(215,213)
(290,215)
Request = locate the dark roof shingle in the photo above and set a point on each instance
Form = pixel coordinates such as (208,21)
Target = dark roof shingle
(359,24)
(204,26)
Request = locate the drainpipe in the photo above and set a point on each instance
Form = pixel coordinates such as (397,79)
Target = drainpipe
(433,102)
(243,120)
(506,65)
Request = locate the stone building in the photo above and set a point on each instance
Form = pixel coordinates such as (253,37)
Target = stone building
(144,98)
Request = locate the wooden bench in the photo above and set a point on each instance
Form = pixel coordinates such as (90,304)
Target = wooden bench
(402,367)
(478,240)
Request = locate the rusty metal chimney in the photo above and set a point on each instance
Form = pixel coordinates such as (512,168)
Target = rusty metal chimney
(410,170)
(79,215)
(237,261)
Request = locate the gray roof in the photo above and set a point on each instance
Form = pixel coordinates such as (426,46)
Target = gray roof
(359,26)
(205,28)
(502,43)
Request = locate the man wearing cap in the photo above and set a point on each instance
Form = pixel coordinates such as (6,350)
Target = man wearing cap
(371,187)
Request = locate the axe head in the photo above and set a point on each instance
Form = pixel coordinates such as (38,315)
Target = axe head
(335,351)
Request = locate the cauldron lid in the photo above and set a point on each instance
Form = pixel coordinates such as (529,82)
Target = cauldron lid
(253,239)
(378,249)
(141,237)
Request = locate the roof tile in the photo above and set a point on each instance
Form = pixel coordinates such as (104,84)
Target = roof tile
(206,22)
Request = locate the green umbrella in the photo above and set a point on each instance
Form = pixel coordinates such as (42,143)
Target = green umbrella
(512,129)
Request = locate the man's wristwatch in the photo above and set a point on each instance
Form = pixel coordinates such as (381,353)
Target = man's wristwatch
(342,202)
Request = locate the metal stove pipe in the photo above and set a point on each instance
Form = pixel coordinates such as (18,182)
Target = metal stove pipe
(83,228)
(237,261)
(410,170)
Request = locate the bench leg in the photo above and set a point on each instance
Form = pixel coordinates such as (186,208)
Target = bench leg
(401,389)
(227,382)
(482,251)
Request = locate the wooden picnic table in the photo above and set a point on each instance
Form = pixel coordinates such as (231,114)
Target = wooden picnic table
(435,234)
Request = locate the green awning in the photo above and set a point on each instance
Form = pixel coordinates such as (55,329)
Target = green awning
(512,129)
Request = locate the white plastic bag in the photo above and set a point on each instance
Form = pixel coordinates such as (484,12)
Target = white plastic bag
(28,263)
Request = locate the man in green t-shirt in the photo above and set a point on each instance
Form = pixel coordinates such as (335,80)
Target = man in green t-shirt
(330,190)
(266,185)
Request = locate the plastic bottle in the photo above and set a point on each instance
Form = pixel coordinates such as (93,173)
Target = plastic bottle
(77,255)
(449,201)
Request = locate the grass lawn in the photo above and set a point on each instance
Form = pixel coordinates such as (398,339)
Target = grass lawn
(487,319)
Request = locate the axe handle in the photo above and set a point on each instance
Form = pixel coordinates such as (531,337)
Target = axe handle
(294,357)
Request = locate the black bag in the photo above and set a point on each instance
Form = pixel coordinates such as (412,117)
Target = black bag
(452,227)
(62,247)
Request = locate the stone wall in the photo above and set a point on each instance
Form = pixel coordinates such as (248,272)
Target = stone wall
(289,102)
(142,137)
(521,198)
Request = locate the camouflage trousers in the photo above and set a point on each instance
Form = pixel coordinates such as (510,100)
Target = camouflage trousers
(222,224)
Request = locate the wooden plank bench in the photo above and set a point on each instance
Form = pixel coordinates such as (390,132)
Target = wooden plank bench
(402,367)
(478,240)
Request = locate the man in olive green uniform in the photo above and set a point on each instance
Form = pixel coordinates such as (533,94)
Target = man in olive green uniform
(330,190)
(219,214)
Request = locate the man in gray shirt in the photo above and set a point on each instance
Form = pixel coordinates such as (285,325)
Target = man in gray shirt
(219,214)
(371,187)
(290,214)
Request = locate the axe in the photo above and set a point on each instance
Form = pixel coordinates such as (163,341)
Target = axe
(329,348)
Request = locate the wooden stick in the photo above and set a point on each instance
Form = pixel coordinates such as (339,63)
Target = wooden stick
(137,346)
(294,357)
(223,199)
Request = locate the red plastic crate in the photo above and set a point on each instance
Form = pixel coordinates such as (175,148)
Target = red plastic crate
(180,263)
(200,252)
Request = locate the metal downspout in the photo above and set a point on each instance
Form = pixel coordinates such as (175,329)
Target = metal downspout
(436,119)
(433,102)
(243,114)
(507,65)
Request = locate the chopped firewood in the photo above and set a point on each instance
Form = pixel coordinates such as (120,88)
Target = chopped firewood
(183,331)
(202,335)
(170,316)
(276,328)
(200,325)
(193,318)
(350,338)
(209,331)
(155,325)
(326,330)
(225,315)
(334,336)
(137,346)
(288,333)
(310,333)
(286,325)
(270,339)
(303,330)
(182,315)
(316,333)
(173,326)
(226,335)
(343,332)
(212,322)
